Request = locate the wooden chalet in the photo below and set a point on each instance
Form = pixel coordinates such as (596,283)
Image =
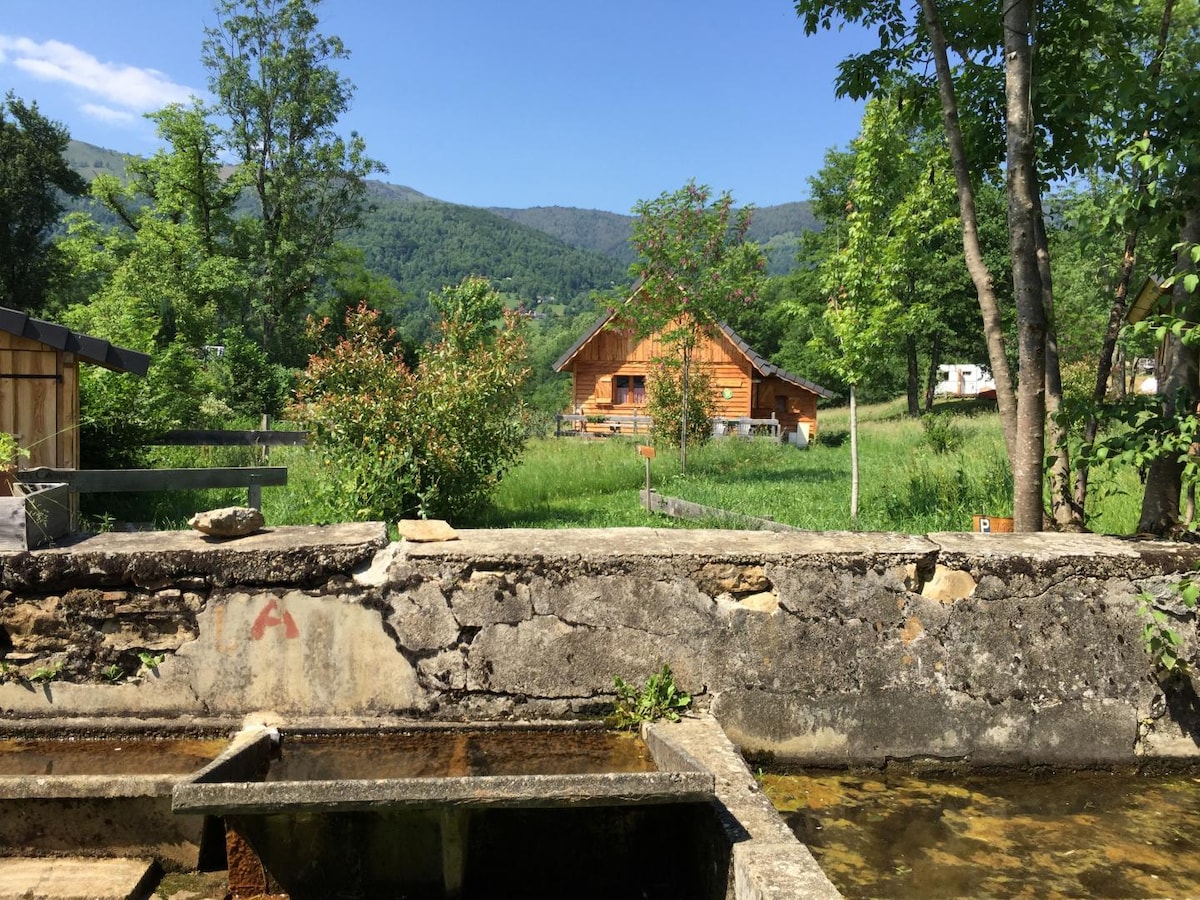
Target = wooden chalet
(611,368)
(39,384)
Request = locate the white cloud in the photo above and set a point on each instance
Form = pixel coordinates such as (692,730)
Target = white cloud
(108,114)
(120,87)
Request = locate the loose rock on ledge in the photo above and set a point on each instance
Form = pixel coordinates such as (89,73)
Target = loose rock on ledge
(426,530)
(230,522)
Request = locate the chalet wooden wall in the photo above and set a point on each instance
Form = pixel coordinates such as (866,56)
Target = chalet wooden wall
(738,390)
(39,401)
(611,353)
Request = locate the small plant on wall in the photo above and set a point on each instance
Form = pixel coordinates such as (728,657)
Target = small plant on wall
(1162,641)
(660,698)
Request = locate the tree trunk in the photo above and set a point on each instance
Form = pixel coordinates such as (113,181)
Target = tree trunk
(914,377)
(1023,205)
(853,456)
(1104,369)
(1063,511)
(981,277)
(683,413)
(1177,387)
(935,359)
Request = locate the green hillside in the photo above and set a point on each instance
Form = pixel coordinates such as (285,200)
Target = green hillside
(777,228)
(424,245)
(587,229)
(89,160)
(552,256)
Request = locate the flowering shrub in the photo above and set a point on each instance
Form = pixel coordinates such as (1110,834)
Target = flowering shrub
(431,441)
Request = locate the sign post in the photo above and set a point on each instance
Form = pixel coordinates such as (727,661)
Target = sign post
(648,453)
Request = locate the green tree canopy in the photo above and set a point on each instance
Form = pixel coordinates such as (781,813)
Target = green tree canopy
(34,177)
(278,101)
(696,268)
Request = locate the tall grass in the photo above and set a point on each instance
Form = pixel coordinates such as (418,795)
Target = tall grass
(911,482)
(914,479)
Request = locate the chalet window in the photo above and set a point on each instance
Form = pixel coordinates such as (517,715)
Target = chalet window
(781,404)
(630,389)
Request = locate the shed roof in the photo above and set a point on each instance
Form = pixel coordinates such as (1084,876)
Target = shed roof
(1150,298)
(90,349)
(760,364)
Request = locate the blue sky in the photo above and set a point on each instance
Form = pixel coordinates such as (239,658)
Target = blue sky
(520,103)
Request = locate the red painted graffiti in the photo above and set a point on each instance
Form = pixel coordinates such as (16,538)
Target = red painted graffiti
(266,620)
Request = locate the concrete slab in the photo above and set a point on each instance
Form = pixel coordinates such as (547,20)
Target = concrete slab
(769,863)
(604,543)
(77,878)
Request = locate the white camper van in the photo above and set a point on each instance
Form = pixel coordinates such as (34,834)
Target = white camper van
(964,380)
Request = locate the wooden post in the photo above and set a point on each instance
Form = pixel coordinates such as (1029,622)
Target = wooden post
(558,425)
(265,426)
(648,453)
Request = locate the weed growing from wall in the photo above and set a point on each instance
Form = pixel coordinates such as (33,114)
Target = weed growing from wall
(660,698)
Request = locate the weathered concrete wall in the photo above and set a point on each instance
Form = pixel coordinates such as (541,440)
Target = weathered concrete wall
(827,647)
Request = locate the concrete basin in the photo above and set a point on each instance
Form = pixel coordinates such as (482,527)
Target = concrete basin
(101,792)
(450,811)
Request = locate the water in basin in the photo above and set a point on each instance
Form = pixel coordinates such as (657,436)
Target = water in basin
(452,753)
(106,756)
(1087,834)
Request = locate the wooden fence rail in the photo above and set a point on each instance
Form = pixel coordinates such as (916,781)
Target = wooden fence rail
(199,437)
(253,478)
(578,424)
(96,481)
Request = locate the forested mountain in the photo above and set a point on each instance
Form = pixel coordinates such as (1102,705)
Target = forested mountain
(587,229)
(777,228)
(550,255)
(424,245)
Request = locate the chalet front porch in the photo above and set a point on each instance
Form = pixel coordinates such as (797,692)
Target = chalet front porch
(602,426)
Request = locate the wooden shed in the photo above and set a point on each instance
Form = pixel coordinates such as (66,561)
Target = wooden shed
(39,384)
(611,369)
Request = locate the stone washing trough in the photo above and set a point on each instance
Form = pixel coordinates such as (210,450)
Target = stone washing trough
(459,810)
(101,792)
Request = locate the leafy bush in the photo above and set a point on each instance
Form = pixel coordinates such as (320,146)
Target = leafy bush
(429,441)
(119,412)
(247,381)
(942,434)
(664,390)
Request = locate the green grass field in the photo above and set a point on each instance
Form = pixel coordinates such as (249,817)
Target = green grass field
(906,486)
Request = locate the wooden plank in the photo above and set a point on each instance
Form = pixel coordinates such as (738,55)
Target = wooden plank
(683,509)
(36,415)
(94,481)
(199,437)
(68,415)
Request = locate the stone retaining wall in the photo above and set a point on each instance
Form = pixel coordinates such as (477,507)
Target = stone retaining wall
(825,647)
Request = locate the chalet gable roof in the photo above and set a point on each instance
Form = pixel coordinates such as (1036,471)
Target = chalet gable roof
(760,364)
(88,348)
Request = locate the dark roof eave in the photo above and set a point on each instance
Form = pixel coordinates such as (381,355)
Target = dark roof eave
(89,349)
(566,358)
(769,369)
